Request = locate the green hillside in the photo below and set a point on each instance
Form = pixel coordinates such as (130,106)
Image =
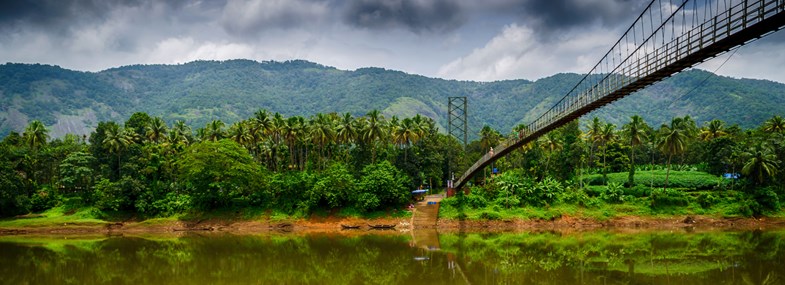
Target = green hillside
(74,102)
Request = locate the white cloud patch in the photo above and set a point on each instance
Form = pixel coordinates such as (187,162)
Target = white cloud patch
(181,50)
(762,59)
(515,53)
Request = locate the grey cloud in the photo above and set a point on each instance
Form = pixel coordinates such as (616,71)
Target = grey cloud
(244,17)
(555,16)
(49,14)
(58,17)
(415,15)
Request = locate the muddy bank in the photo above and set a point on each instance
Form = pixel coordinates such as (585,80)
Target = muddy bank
(619,224)
(334,225)
(217,225)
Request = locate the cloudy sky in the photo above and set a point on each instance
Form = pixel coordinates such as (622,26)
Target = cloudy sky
(455,39)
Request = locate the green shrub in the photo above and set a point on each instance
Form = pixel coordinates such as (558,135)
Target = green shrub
(638,191)
(43,200)
(706,200)
(542,193)
(677,179)
(475,201)
(614,193)
(490,215)
(368,202)
(767,199)
(453,201)
(575,196)
(507,202)
(668,197)
(594,191)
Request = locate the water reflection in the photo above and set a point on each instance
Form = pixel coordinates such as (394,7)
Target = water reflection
(419,257)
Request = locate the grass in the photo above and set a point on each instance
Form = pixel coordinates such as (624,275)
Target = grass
(725,204)
(58,216)
(90,216)
(676,179)
(56,243)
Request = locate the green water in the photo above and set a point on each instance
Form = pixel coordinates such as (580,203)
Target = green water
(405,258)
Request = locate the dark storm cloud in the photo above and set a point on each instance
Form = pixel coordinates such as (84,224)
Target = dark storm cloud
(49,14)
(59,16)
(552,16)
(414,15)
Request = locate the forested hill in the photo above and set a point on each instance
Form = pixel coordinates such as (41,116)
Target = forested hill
(73,102)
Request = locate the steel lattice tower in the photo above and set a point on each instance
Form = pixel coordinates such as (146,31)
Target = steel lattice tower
(457,118)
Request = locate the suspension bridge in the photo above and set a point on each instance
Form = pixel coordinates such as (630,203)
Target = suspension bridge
(666,38)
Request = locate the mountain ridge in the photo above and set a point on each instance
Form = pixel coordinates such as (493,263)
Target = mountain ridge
(200,91)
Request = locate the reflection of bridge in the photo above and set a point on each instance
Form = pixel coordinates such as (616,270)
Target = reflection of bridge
(664,40)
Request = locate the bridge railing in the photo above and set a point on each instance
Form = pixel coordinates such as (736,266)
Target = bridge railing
(642,57)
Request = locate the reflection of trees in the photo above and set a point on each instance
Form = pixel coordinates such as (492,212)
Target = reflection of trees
(602,258)
(585,258)
(225,260)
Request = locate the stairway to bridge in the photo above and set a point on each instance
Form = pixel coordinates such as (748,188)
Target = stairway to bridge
(426,212)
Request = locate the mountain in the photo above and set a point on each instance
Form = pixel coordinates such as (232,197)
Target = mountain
(74,102)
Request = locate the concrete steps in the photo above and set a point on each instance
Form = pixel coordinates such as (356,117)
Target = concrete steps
(426,215)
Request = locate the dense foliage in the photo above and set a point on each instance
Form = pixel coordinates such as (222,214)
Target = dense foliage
(298,165)
(289,165)
(676,168)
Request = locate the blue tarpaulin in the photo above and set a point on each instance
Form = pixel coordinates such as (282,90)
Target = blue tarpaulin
(731,176)
(420,191)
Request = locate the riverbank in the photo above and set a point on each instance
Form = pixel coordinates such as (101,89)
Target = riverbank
(334,224)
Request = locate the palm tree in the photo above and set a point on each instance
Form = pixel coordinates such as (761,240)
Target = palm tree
(712,130)
(261,126)
(774,125)
(346,131)
(673,141)
(322,132)
(35,135)
(180,133)
(214,130)
(488,137)
(263,122)
(762,163)
(635,132)
(593,136)
(375,130)
(423,126)
(117,140)
(392,126)
(606,136)
(406,133)
(240,133)
(550,143)
(293,131)
(277,130)
(156,130)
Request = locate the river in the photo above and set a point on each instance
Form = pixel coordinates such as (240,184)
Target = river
(421,257)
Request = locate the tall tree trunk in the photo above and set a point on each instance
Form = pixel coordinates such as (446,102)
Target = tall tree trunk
(605,164)
(373,152)
(631,177)
(667,172)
